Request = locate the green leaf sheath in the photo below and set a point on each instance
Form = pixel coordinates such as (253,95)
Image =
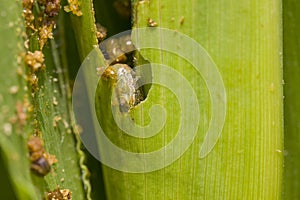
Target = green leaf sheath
(51,105)
(84,29)
(53,100)
(13,148)
(291,60)
(79,40)
(244,40)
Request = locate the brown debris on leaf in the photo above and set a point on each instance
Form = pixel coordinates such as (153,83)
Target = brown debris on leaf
(50,158)
(22,108)
(101,32)
(35,60)
(21,113)
(181,21)
(152,23)
(29,17)
(73,7)
(45,33)
(45,23)
(58,194)
(27,13)
(27,4)
(52,8)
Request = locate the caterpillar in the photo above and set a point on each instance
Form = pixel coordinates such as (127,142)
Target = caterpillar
(126,92)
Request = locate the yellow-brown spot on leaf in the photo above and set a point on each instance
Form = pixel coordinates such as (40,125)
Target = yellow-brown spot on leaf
(45,33)
(73,7)
(27,4)
(42,2)
(29,17)
(52,8)
(33,81)
(181,20)
(50,158)
(101,32)
(55,120)
(58,194)
(7,128)
(107,72)
(13,89)
(55,102)
(35,60)
(36,148)
(21,113)
(27,13)
(152,23)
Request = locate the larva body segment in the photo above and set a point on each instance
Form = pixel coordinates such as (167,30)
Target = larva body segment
(126,92)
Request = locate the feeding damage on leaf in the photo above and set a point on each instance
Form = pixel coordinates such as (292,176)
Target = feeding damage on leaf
(120,53)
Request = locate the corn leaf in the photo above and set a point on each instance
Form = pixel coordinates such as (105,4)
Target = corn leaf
(244,40)
(291,62)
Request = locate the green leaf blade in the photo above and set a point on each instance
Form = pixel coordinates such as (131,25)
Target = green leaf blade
(244,41)
(291,62)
